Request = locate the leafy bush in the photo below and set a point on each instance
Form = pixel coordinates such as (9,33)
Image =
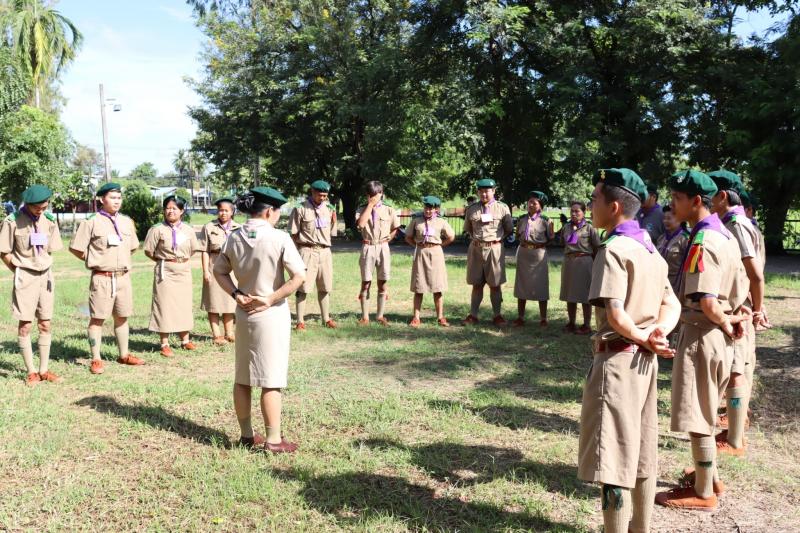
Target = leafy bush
(140,205)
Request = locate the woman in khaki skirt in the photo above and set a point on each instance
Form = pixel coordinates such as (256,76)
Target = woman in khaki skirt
(581,242)
(215,301)
(258,254)
(429,234)
(532,281)
(171,244)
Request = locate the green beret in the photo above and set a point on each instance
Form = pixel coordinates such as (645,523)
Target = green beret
(539,195)
(321,185)
(225,199)
(726,180)
(36,194)
(624,178)
(432,201)
(693,183)
(486,183)
(268,195)
(107,188)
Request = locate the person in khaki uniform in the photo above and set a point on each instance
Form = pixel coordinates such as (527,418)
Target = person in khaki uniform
(258,254)
(581,242)
(488,222)
(727,205)
(750,204)
(428,234)
(215,301)
(672,245)
(532,279)
(171,244)
(618,444)
(712,290)
(378,224)
(105,242)
(311,226)
(27,240)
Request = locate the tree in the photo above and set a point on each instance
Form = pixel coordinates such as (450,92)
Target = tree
(44,40)
(144,171)
(139,204)
(14,83)
(86,160)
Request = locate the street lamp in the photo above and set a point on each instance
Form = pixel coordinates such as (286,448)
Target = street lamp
(116,107)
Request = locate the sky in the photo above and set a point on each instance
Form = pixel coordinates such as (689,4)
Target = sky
(141,51)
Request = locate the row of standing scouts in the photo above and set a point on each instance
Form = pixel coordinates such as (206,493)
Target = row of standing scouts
(632,276)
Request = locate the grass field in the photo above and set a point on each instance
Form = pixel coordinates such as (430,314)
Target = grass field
(465,429)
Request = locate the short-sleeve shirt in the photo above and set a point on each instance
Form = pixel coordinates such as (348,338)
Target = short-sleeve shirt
(588,239)
(258,254)
(652,221)
(745,235)
(438,230)
(625,270)
(539,229)
(97,239)
(495,229)
(158,242)
(214,234)
(310,225)
(673,248)
(380,226)
(15,239)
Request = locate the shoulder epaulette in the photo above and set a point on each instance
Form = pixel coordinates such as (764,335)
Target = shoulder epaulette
(50,216)
(605,242)
(12,217)
(698,238)
(694,256)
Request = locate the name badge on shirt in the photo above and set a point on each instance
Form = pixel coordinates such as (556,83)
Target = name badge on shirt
(38,239)
(486,217)
(321,223)
(180,238)
(114,240)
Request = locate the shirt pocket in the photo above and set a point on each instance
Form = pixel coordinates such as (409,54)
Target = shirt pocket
(22,239)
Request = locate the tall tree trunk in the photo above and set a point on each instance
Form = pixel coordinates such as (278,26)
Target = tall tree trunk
(776,209)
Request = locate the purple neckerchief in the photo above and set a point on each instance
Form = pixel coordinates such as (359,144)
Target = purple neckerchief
(35,220)
(174,233)
(668,238)
(646,212)
(754,222)
(485,207)
(315,207)
(112,218)
(573,237)
(531,218)
(427,232)
(737,211)
(375,213)
(631,229)
(225,227)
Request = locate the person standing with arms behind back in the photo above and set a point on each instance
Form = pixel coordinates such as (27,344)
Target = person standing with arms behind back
(27,240)
(672,245)
(581,242)
(105,241)
(258,254)
(532,280)
(215,301)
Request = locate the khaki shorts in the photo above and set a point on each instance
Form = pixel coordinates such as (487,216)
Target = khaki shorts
(375,256)
(700,374)
(744,351)
(319,269)
(33,295)
(486,264)
(104,302)
(619,419)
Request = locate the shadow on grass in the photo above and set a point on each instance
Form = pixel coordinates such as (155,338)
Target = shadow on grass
(777,401)
(158,418)
(356,498)
(512,416)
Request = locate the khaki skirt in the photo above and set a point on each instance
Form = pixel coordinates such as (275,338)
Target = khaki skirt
(216,300)
(262,347)
(428,272)
(576,279)
(532,281)
(171,310)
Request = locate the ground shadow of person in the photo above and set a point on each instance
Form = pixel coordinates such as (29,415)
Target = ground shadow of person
(513,416)
(159,418)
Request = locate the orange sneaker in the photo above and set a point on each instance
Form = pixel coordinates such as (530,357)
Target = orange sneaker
(166,351)
(130,360)
(443,322)
(220,341)
(331,324)
(688,477)
(33,379)
(301,326)
(518,322)
(686,498)
(415,322)
(723,446)
(189,346)
(382,321)
(52,378)
(471,319)
(97,366)
(499,321)
(363,321)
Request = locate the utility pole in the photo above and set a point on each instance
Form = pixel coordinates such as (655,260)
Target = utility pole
(105,134)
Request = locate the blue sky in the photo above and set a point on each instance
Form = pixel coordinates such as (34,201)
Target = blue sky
(141,51)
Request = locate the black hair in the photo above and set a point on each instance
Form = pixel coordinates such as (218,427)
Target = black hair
(580,204)
(374,187)
(629,202)
(733,197)
(666,209)
(229,202)
(179,202)
(248,204)
(706,201)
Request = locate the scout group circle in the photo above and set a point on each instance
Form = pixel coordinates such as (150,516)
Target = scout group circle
(695,295)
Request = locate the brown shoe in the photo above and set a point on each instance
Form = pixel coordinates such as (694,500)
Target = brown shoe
(284,447)
(723,446)
(569,328)
(52,378)
(363,321)
(382,321)
(256,441)
(688,477)
(301,326)
(166,351)
(499,321)
(230,338)
(543,323)
(97,366)
(583,330)
(415,322)
(443,322)
(518,322)
(471,319)
(330,324)
(220,341)
(130,360)
(33,379)
(686,498)
(189,346)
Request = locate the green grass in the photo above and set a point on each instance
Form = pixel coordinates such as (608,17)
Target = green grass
(464,429)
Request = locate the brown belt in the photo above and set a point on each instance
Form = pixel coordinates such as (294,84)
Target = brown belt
(616,345)
(372,243)
(486,244)
(428,244)
(578,254)
(534,245)
(109,273)
(314,246)
(179,260)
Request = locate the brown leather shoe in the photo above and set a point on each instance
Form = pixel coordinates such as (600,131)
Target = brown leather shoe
(688,477)
(686,498)
(284,447)
(363,321)
(166,351)
(52,378)
(256,441)
(188,346)
(499,321)
(220,341)
(415,322)
(301,326)
(723,446)
(443,322)
(471,319)
(97,366)
(130,360)
(33,379)
(518,322)
(382,321)
(331,324)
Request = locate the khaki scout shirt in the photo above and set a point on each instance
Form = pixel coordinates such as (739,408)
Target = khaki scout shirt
(386,221)
(158,242)
(492,230)
(104,249)
(15,239)
(745,235)
(624,270)
(308,225)
(673,250)
(588,239)
(214,235)
(438,229)
(539,229)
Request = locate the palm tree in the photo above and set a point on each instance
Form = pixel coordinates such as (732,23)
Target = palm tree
(45,41)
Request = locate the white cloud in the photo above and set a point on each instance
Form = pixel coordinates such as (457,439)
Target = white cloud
(182,15)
